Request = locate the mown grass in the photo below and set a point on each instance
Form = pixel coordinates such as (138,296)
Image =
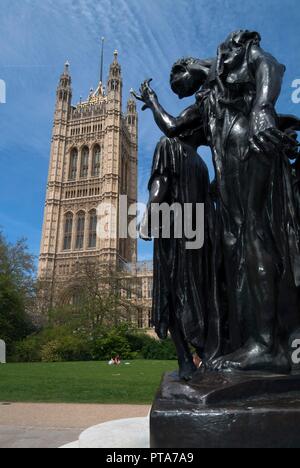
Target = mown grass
(82,382)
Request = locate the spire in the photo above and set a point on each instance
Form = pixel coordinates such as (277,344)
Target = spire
(64,89)
(102,60)
(115,68)
(131,106)
(67,68)
(114,84)
(65,78)
(91,94)
(131,115)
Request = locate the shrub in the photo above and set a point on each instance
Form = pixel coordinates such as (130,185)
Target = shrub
(61,344)
(137,341)
(52,345)
(74,348)
(150,348)
(28,350)
(112,344)
(68,348)
(51,352)
(159,350)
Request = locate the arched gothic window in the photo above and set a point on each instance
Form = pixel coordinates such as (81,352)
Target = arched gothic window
(93,229)
(114,85)
(80,230)
(68,231)
(73,164)
(84,170)
(96,161)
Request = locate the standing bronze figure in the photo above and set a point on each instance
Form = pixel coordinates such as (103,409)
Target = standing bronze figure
(179,176)
(259,229)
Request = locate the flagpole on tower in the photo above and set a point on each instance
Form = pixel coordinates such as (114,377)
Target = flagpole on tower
(102,60)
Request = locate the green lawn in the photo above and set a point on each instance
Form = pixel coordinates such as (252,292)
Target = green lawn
(82,382)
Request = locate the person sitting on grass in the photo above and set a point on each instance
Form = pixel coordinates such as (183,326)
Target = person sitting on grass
(117,361)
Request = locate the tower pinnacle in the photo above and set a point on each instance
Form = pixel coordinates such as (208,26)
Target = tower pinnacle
(67,68)
(64,89)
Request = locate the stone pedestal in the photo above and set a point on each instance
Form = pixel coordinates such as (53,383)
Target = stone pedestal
(238,410)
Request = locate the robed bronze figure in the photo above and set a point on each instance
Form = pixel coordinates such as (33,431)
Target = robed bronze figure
(237,299)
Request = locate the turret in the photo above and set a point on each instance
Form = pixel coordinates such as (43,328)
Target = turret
(64,91)
(55,177)
(62,110)
(132,118)
(114,84)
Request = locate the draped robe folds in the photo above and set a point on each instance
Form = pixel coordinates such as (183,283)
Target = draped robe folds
(181,275)
(272,222)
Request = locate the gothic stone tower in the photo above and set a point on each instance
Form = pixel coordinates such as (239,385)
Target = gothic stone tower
(93,160)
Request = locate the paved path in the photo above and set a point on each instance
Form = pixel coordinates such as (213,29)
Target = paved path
(26,425)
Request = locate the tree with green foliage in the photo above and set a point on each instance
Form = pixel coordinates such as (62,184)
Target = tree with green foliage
(16,291)
(98,296)
(95,318)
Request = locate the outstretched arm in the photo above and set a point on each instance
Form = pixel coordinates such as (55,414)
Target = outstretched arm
(175,126)
(169,125)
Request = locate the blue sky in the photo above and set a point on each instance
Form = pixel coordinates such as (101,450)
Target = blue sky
(36,38)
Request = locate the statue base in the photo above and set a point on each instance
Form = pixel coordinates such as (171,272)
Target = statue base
(227,410)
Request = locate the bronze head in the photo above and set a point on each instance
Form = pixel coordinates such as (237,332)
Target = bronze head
(188,75)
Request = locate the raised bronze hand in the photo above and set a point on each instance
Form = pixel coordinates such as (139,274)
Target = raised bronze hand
(147,95)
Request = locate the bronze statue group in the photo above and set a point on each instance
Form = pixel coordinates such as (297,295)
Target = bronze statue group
(236,300)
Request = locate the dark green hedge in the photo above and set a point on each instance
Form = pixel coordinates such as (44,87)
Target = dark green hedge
(59,344)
